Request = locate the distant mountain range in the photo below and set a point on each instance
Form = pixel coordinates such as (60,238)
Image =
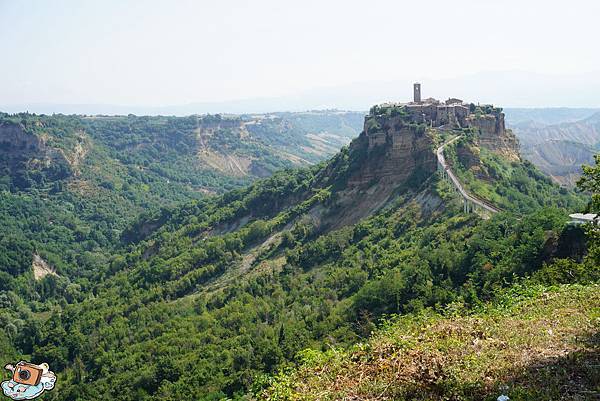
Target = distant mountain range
(556,141)
(512,88)
(586,130)
(561,159)
(544,116)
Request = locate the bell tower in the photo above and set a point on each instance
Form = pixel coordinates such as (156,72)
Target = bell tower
(417,92)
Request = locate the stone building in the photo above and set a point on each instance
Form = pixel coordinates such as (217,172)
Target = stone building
(452,113)
(439,115)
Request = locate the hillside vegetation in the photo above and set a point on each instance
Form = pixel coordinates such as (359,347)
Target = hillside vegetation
(200,301)
(70,186)
(533,343)
(515,186)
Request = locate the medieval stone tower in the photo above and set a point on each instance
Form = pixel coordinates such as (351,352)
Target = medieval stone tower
(417,92)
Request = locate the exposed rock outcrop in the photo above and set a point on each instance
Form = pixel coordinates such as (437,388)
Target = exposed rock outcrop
(12,135)
(391,156)
(25,156)
(40,268)
(76,157)
(16,145)
(396,151)
(493,135)
(560,149)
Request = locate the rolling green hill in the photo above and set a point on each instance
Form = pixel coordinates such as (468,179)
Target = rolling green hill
(71,185)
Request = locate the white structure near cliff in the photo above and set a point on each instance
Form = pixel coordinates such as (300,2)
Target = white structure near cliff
(581,218)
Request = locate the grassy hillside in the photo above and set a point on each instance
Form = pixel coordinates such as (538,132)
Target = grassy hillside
(533,343)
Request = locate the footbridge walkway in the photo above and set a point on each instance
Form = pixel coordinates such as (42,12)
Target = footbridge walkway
(470,203)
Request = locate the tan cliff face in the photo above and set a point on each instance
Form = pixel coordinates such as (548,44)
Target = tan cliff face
(220,158)
(21,151)
(14,137)
(390,157)
(16,146)
(395,151)
(493,135)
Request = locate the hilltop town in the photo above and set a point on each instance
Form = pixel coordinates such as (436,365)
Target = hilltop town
(453,112)
(487,121)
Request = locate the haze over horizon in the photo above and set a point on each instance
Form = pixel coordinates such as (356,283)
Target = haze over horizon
(184,57)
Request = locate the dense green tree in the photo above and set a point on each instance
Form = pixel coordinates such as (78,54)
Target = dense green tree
(590,181)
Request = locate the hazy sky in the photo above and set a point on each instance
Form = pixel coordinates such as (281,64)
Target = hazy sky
(176,52)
